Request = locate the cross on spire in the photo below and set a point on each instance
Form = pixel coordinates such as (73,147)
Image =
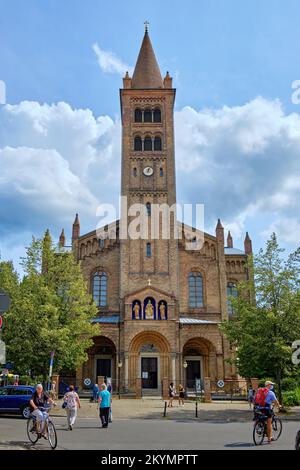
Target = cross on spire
(147,24)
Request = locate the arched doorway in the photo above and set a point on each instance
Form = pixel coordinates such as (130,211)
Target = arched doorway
(102,359)
(149,360)
(199,357)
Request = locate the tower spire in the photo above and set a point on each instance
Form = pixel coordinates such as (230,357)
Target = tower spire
(147,73)
(229,240)
(76,229)
(62,238)
(248,245)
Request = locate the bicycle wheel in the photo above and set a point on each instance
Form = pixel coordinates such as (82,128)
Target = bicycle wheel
(277,428)
(258,433)
(52,437)
(31,431)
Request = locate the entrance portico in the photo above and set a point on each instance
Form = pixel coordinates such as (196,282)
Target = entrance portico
(199,360)
(149,360)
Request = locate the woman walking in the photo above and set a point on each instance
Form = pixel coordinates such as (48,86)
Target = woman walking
(181,391)
(72,403)
(172,394)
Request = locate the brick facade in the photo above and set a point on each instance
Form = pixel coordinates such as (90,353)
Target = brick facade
(186,334)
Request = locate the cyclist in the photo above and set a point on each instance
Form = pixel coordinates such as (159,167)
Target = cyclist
(264,400)
(38,402)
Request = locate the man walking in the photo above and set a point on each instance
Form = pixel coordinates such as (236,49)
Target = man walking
(104,399)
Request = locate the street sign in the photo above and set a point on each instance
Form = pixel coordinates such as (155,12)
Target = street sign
(221,384)
(4,302)
(87,382)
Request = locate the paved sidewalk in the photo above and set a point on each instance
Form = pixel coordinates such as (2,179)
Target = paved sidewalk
(148,408)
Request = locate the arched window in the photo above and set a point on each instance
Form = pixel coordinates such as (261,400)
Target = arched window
(149,250)
(196,290)
(138,144)
(134,172)
(157,144)
(161,172)
(101,243)
(138,115)
(148,115)
(157,115)
(100,289)
(231,292)
(148,207)
(148,144)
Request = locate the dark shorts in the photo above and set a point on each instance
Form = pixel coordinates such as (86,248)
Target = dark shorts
(267,411)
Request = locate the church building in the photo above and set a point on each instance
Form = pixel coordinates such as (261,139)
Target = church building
(160,304)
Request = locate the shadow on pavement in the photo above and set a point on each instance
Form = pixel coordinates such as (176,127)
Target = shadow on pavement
(240,445)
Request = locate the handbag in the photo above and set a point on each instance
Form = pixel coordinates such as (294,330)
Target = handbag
(64,405)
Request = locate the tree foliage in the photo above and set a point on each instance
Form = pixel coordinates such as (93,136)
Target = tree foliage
(267,315)
(50,311)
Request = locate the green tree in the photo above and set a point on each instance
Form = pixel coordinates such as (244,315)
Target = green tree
(266,324)
(9,281)
(51,311)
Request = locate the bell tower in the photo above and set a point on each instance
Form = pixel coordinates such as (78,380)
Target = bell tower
(148,174)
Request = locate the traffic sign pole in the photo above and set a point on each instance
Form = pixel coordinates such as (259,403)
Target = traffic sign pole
(51,368)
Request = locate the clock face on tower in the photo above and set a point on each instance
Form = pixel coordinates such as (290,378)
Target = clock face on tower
(148,171)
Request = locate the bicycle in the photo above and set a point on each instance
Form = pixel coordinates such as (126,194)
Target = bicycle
(48,431)
(260,427)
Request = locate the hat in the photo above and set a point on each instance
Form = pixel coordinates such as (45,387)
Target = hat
(269,383)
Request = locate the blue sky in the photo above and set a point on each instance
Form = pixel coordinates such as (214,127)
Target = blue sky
(223,55)
(226,52)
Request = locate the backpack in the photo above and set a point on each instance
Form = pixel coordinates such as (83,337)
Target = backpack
(260,398)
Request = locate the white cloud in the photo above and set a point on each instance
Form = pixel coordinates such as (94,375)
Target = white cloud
(55,161)
(242,162)
(288,229)
(110,63)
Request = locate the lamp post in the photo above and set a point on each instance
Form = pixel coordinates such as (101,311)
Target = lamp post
(120,365)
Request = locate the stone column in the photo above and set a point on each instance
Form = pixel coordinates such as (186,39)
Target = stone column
(138,388)
(174,369)
(126,371)
(213,370)
(220,367)
(165,390)
(207,390)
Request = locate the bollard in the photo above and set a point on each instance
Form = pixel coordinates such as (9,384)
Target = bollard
(196,409)
(165,410)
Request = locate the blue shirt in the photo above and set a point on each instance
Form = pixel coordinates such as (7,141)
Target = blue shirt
(105,399)
(271,397)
